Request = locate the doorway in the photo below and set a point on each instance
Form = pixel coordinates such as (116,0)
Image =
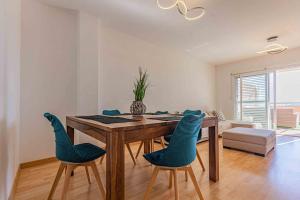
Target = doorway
(288,101)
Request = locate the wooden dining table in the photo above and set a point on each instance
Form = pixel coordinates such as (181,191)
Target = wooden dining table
(145,128)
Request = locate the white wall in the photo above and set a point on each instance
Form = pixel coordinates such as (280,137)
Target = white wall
(48,74)
(290,58)
(178,81)
(3,145)
(87,71)
(9,93)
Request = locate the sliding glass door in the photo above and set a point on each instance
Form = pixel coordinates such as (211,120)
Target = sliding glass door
(252,99)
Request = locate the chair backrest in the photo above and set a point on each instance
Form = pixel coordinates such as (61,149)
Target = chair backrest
(111,112)
(181,150)
(64,147)
(161,112)
(192,112)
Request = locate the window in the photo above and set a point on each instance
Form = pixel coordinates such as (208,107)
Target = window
(251,99)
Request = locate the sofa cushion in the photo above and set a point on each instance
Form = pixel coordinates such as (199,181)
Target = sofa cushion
(235,124)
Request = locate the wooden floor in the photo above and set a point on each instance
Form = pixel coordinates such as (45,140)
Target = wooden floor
(243,176)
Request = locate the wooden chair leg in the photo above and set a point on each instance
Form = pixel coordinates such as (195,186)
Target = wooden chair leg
(70,168)
(153,145)
(176,185)
(56,180)
(186,175)
(87,174)
(162,142)
(153,178)
(139,149)
(102,158)
(200,160)
(131,154)
(170,179)
(192,175)
(98,179)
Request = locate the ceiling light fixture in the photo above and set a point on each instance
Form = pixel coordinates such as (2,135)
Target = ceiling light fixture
(185,7)
(273,47)
(166,4)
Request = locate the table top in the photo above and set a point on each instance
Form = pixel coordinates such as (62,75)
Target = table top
(145,121)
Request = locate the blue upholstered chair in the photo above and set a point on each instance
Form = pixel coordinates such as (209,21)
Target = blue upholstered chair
(167,138)
(179,154)
(192,112)
(116,112)
(72,156)
(152,142)
(161,112)
(111,112)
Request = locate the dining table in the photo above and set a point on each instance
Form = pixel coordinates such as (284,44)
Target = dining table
(117,131)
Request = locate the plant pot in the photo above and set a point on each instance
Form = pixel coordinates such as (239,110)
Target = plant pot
(137,108)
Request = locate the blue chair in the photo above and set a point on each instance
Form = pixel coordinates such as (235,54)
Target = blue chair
(116,113)
(161,112)
(111,112)
(192,112)
(152,142)
(167,138)
(179,154)
(72,156)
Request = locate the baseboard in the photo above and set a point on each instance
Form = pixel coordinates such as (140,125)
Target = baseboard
(37,162)
(15,183)
(27,165)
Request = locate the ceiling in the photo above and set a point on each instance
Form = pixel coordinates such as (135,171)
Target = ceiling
(230,30)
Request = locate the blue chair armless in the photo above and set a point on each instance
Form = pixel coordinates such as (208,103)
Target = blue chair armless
(187,112)
(111,112)
(66,151)
(181,150)
(161,112)
(192,112)
(180,153)
(72,156)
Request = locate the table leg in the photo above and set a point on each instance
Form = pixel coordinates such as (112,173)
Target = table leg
(147,146)
(115,166)
(70,132)
(213,154)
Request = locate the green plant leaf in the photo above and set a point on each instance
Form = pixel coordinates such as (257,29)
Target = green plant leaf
(140,85)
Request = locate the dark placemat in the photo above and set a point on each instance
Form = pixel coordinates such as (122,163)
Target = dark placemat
(107,119)
(173,118)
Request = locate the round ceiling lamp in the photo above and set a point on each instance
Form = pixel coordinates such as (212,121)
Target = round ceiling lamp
(181,7)
(273,47)
(187,8)
(166,4)
(194,13)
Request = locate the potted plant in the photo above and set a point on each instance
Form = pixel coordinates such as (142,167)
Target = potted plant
(140,87)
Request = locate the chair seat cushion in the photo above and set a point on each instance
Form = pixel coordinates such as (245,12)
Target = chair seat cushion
(156,158)
(88,152)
